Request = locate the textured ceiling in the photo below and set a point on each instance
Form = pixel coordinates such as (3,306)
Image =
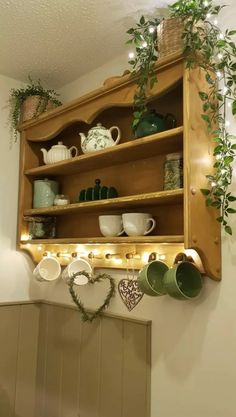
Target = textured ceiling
(60,40)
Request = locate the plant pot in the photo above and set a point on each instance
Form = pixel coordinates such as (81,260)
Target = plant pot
(169,37)
(33,106)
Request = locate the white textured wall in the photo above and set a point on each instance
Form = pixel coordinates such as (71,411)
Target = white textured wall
(94,79)
(15,268)
(193,343)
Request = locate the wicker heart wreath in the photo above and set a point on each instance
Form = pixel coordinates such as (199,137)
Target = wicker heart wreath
(85,314)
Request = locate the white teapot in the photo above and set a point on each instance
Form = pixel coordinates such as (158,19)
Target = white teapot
(99,138)
(58,153)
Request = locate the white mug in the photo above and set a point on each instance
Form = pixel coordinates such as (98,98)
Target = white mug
(74,267)
(48,269)
(138,224)
(111,225)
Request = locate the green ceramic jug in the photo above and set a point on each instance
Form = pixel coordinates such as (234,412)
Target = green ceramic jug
(153,122)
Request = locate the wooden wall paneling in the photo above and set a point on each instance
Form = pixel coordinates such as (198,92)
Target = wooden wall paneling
(71,346)
(136,370)
(97,369)
(53,380)
(9,336)
(41,393)
(27,360)
(90,369)
(111,383)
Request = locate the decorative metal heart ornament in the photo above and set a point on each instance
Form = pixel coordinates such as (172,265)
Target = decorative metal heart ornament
(130,293)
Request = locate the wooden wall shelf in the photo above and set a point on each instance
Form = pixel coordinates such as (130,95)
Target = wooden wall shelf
(115,240)
(134,167)
(132,201)
(160,143)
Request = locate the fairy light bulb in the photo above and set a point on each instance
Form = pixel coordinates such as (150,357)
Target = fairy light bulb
(213,184)
(219,74)
(229,104)
(144,44)
(131,55)
(206,3)
(221,36)
(151,29)
(218,157)
(208,15)
(215,22)
(225,91)
(223,171)
(220,56)
(227,123)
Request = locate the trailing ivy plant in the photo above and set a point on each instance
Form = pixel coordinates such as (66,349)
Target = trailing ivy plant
(18,96)
(143,37)
(215,52)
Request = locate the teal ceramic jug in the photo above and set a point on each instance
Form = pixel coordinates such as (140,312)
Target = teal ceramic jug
(153,122)
(45,192)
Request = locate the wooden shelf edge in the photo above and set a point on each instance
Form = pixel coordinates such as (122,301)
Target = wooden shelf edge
(109,152)
(159,197)
(111,240)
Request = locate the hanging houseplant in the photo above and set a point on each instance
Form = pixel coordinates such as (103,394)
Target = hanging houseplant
(29,102)
(214,51)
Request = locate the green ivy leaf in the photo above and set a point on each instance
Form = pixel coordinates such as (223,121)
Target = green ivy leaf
(142,20)
(209,202)
(234,107)
(206,118)
(228,230)
(231,210)
(203,96)
(205,191)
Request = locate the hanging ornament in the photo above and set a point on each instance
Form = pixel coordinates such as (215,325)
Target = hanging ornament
(129,291)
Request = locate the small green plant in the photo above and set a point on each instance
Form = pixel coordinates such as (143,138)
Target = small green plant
(205,45)
(18,96)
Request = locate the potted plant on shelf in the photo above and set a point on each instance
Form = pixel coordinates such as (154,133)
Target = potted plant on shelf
(28,102)
(214,51)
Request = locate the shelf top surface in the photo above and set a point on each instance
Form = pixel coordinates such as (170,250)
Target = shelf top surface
(169,140)
(155,198)
(99,240)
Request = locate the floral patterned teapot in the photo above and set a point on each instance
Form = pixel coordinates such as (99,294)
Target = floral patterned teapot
(99,138)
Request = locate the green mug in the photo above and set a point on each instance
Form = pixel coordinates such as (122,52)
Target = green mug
(183,281)
(150,278)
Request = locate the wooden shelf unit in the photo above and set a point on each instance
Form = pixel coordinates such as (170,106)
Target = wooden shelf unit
(134,167)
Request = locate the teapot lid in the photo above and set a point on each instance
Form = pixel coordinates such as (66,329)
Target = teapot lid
(59,145)
(98,126)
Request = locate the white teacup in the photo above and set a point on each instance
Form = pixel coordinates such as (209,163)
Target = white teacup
(111,225)
(48,269)
(138,224)
(74,267)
